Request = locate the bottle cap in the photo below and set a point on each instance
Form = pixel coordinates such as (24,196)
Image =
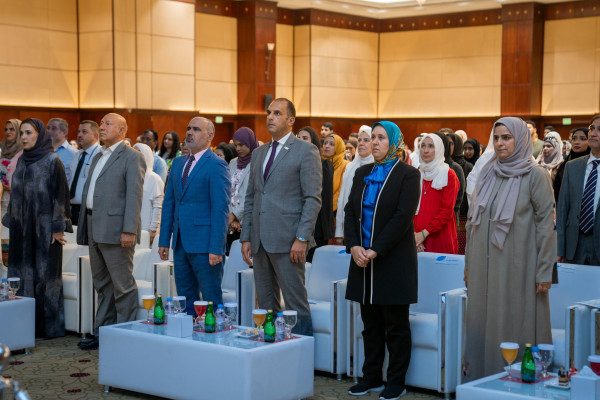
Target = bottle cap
(270,311)
(280,314)
(220,306)
(535,348)
(210,302)
(169,299)
(527,344)
(3,279)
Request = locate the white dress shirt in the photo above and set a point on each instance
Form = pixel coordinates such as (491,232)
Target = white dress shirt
(277,150)
(588,170)
(106,153)
(85,169)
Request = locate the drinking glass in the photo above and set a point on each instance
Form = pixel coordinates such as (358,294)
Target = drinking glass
(509,352)
(14,284)
(259,315)
(180,303)
(290,317)
(148,301)
(200,308)
(546,356)
(231,312)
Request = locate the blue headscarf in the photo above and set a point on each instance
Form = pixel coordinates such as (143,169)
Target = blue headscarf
(396,143)
(377,176)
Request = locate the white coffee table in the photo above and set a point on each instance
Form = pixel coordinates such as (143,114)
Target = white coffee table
(140,357)
(17,323)
(493,388)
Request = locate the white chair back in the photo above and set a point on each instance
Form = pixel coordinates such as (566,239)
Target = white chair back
(330,263)
(142,268)
(437,273)
(575,283)
(233,264)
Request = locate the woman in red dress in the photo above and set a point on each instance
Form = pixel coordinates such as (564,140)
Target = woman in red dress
(435,222)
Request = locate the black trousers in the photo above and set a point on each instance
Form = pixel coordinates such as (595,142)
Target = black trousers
(386,325)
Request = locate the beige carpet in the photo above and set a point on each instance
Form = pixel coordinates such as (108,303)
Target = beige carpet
(58,369)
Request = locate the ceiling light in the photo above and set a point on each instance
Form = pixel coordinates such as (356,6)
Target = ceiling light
(464,3)
(346,6)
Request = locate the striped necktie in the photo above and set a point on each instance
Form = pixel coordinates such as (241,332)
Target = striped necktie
(586,220)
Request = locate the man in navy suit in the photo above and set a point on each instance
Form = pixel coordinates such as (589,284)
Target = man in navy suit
(195,212)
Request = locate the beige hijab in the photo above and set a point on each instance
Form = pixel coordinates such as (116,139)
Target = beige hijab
(10,149)
(513,167)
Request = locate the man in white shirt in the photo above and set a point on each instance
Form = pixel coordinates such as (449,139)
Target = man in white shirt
(87,140)
(59,130)
(110,224)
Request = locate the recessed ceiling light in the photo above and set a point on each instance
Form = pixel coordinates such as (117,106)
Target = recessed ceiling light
(464,3)
(418,8)
(376,11)
(346,6)
(317,2)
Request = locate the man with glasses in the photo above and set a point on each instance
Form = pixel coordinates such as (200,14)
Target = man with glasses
(87,141)
(577,219)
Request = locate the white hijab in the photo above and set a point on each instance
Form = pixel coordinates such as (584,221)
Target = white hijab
(415,157)
(435,170)
(148,156)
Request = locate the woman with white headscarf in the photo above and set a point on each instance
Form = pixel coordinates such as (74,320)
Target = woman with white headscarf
(551,155)
(362,157)
(154,190)
(416,154)
(435,221)
(511,250)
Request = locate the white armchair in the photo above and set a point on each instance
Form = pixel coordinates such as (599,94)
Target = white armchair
(434,324)
(77,289)
(326,289)
(233,264)
(571,333)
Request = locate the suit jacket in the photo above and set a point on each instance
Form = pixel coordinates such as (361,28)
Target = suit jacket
(393,274)
(198,213)
(117,197)
(569,207)
(285,205)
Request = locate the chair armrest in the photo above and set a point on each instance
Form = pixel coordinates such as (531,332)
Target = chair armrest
(462,331)
(86,298)
(448,312)
(161,278)
(578,335)
(246,295)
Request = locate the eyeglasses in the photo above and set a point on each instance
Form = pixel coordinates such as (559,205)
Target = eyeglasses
(593,128)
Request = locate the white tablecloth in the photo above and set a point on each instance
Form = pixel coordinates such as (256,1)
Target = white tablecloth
(492,388)
(17,323)
(141,358)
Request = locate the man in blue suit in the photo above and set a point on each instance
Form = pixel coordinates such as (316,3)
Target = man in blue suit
(195,212)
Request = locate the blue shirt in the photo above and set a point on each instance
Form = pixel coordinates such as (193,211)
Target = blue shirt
(160,167)
(374,183)
(66,153)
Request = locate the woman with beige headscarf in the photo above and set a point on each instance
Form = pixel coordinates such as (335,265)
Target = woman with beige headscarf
(511,249)
(551,156)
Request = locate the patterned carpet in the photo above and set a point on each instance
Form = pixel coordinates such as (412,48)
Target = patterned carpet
(58,369)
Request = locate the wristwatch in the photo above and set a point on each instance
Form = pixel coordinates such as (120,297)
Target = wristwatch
(300,238)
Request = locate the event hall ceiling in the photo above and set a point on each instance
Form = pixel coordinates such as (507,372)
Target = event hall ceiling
(383,9)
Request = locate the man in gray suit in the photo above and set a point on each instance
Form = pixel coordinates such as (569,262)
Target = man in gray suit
(577,217)
(110,224)
(282,202)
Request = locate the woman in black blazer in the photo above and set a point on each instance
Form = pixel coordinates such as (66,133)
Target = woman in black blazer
(378,231)
(325,225)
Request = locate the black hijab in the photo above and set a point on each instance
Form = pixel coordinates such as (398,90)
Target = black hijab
(476,150)
(458,155)
(573,155)
(43,144)
(447,157)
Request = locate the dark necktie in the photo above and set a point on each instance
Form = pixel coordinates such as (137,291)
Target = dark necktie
(77,172)
(186,170)
(586,221)
(271,158)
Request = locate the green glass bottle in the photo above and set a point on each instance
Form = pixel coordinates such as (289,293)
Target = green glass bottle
(159,311)
(210,323)
(528,365)
(270,333)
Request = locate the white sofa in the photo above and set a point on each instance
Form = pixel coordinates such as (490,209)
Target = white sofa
(78,290)
(433,324)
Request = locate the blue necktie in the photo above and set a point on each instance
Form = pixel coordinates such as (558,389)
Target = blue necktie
(586,220)
(186,170)
(271,158)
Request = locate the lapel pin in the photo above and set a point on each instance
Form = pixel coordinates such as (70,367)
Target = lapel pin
(286,148)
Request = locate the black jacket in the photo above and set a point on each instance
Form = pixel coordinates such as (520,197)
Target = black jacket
(325,225)
(391,278)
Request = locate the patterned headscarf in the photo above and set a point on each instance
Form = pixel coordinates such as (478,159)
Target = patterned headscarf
(395,139)
(10,149)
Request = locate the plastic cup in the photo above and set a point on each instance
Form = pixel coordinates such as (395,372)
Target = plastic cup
(595,363)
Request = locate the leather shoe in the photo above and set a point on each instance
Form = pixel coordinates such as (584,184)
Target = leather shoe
(91,344)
